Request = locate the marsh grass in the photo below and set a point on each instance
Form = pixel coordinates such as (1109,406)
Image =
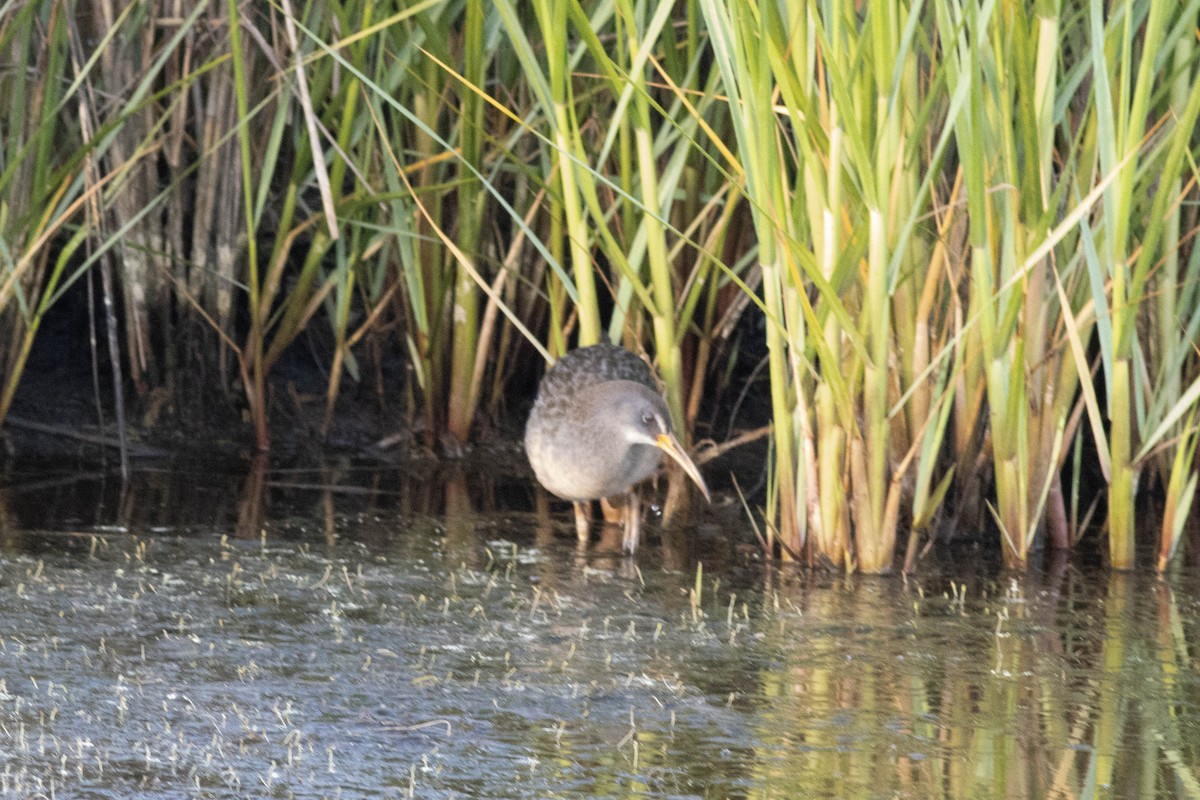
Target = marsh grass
(968,228)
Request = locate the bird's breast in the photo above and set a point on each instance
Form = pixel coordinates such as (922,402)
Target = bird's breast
(576,466)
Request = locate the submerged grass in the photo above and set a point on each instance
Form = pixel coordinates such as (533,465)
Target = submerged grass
(968,228)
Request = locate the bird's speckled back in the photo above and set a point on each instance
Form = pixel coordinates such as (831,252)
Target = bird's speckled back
(588,366)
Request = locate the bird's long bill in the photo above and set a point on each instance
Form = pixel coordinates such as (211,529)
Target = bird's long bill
(671,446)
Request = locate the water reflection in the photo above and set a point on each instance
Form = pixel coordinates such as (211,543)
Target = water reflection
(437,635)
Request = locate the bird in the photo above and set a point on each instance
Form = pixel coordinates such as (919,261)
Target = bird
(598,428)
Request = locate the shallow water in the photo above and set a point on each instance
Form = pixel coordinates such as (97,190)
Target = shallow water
(349,644)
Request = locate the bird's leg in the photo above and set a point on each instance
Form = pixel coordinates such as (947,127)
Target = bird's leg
(633,523)
(583,520)
(613,514)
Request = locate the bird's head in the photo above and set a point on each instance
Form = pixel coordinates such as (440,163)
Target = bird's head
(640,416)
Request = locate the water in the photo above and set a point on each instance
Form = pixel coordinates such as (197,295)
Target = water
(210,635)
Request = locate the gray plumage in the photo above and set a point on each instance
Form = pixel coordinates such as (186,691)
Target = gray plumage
(599,427)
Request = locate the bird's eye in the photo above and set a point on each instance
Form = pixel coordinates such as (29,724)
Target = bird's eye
(647,419)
